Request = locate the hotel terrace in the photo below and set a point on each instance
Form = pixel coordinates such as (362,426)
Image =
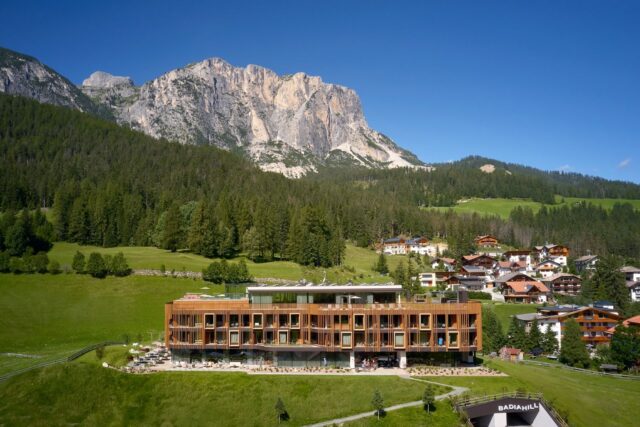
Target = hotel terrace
(308,324)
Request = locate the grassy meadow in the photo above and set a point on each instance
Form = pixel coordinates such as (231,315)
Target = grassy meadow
(586,399)
(504,311)
(63,395)
(357,263)
(503,207)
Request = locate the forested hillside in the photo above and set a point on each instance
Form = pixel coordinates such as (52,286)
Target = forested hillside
(111,186)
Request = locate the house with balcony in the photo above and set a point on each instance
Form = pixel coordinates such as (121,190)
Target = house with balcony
(486,241)
(527,292)
(556,253)
(479,260)
(446,264)
(547,268)
(519,256)
(563,284)
(307,324)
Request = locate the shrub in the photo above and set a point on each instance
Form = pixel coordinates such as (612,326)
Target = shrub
(78,263)
(119,266)
(54,267)
(16,265)
(96,266)
(4,261)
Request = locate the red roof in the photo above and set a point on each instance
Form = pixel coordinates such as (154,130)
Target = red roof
(526,286)
(510,351)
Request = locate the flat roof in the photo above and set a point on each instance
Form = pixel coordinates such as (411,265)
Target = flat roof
(324,287)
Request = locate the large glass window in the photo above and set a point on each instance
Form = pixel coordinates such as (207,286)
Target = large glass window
(398,340)
(346,339)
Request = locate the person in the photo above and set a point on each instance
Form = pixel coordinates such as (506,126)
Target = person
(324,361)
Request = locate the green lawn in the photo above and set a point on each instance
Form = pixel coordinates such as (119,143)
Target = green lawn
(588,400)
(50,316)
(82,393)
(443,416)
(357,263)
(503,207)
(504,311)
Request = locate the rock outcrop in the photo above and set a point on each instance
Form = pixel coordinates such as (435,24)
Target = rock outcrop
(288,124)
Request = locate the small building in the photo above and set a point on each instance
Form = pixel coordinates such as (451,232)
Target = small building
(525,292)
(427,280)
(511,354)
(506,267)
(586,263)
(548,268)
(486,241)
(564,284)
(473,270)
(449,264)
(519,255)
(517,409)
(557,253)
(632,276)
(485,261)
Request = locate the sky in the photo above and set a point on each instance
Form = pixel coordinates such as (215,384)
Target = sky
(549,84)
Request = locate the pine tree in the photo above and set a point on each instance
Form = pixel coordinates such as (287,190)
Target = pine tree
(534,337)
(400,275)
(493,338)
(281,411)
(573,351)
(428,398)
(516,335)
(119,266)
(171,236)
(378,403)
(381,265)
(610,282)
(549,341)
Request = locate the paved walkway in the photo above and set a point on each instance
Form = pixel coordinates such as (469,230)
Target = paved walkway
(337,421)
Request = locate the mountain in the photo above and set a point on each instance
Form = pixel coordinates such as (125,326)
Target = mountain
(26,76)
(290,124)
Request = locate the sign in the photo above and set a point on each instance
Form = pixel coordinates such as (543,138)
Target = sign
(505,405)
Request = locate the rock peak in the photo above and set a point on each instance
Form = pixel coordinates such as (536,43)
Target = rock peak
(104,80)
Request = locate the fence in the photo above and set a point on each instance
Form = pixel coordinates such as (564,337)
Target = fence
(69,358)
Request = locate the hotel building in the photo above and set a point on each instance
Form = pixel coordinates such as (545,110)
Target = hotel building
(309,324)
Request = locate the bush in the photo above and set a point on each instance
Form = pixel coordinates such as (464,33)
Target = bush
(78,263)
(54,267)
(39,262)
(96,266)
(479,295)
(119,266)
(224,272)
(16,265)
(4,261)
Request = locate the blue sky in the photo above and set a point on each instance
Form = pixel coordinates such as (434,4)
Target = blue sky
(551,84)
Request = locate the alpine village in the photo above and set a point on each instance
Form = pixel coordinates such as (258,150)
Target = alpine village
(227,245)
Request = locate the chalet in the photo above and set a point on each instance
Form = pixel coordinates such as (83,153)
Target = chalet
(586,263)
(506,267)
(594,323)
(486,241)
(519,255)
(474,270)
(513,277)
(632,276)
(525,292)
(417,245)
(548,268)
(557,253)
(563,283)
(449,264)
(485,261)
(394,246)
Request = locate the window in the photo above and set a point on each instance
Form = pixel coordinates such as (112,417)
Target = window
(425,321)
(398,339)
(209,321)
(257,321)
(358,323)
(283,337)
(346,340)
(234,338)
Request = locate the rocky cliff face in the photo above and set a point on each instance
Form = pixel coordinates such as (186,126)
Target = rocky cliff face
(26,76)
(288,124)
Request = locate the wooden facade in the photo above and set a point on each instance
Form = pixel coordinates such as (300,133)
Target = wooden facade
(238,324)
(594,323)
(486,241)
